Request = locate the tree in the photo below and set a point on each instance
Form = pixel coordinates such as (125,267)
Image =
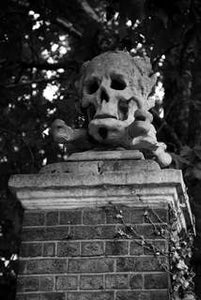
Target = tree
(43,43)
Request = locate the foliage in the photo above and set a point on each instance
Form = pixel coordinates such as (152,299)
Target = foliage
(42,46)
(181,250)
(178,255)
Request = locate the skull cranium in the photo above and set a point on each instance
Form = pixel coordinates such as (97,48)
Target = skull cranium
(114,87)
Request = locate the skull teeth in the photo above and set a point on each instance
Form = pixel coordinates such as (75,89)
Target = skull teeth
(105,116)
(140,118)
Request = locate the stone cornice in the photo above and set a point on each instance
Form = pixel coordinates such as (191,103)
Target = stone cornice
(157,188)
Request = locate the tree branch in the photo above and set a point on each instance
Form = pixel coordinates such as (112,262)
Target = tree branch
(47,66)
(89,10)
(42,80)
(69,26)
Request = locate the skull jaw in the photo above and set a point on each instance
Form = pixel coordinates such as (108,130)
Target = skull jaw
(109,131)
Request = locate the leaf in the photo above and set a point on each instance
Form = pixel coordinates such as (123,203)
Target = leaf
(186,151)
(197,151)
(196,171)
(181,265)
(180,161)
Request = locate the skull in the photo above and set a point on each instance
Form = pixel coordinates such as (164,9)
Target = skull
(114,89)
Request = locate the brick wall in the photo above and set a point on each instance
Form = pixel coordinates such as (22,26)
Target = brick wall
(88,254)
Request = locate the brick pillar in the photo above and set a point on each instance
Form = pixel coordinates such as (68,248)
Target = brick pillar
(95,228)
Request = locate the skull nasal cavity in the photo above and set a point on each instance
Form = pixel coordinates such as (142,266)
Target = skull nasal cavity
(104,96)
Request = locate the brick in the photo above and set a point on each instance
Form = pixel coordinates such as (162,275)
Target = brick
(93,265)
(93,232)
(154,232)
(29,296)
(116,281)
(66,282)
(34,219)
(159,246)
(46,266)
(28,283)
(129,295)
(140,264)
(31,249)
(112,215)
(108,232)
(157,215)
(95,216)
(70,217)
(155,295)
(93,248)
(52,296)
(148,231)
(155,263)
(126,231)
(52,218)
(136,281)
(22,267)
(91,282)
(68,249)
(32,297)
(20,297)
(136,215)
(142,215)
(136,248)
(116,247)
(49,249)
(46,234)
(46,283)
(156,281)
(91,296)
(33,234)
(58,233)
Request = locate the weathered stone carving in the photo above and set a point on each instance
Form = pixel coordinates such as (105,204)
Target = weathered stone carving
(115,91)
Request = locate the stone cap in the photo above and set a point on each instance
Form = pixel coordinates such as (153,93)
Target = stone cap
(127,182)
(99,162)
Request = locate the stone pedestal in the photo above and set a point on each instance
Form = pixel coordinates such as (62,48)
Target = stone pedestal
(97,227)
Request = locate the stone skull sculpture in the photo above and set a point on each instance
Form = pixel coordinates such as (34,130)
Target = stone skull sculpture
(115,91)
(114,88)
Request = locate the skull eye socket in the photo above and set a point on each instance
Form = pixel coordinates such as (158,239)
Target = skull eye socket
(117,83)
(92,86)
